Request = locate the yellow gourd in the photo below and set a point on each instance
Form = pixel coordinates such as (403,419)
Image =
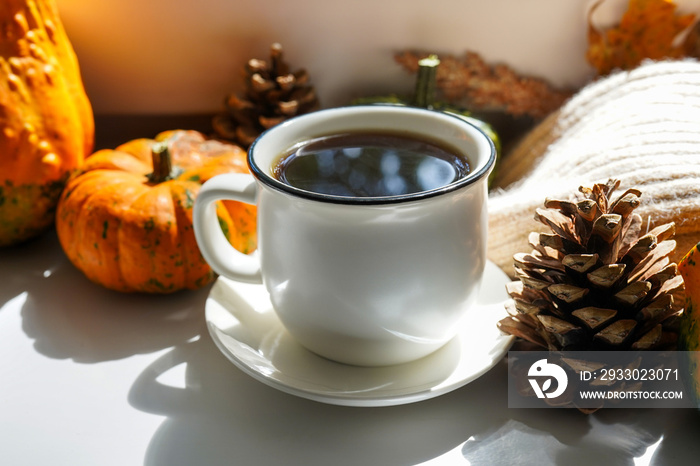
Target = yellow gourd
(46,121)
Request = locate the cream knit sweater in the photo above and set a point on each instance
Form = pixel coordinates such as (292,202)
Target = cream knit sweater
(641,126)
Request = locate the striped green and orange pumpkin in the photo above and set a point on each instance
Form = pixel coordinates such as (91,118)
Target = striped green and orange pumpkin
(689,338)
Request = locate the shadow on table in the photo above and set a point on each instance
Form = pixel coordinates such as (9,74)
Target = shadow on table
(613,437)
(68,316)
(222,416)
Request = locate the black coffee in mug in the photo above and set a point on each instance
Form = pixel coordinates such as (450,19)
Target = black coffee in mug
(370,164)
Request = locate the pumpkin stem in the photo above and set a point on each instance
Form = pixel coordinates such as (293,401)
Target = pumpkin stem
(426,81)
(162,163)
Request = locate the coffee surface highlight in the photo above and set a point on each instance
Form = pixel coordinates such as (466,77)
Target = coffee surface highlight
(367,164)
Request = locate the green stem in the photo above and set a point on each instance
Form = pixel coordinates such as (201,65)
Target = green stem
(162,163)
(424,94)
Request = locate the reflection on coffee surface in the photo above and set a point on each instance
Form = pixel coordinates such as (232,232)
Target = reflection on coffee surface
(367,164)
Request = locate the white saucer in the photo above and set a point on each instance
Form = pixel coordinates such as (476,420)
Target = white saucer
(243,325)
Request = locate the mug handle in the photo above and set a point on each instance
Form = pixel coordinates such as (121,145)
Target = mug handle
(223,258)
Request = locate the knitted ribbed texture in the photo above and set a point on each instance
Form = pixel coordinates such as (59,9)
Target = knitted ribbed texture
(641,127)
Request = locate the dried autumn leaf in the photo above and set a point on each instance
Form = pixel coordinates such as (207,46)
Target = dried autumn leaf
(471,82)
(649,29)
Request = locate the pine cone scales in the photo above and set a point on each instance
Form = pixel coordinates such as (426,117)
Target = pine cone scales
(597,282)
(272,94)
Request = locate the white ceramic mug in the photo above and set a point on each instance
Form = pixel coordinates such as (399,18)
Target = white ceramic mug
(364,281)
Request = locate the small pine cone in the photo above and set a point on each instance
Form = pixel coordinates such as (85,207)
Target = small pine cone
(272,95)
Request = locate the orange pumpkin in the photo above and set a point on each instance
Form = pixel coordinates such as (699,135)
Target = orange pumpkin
(46,122)
(126,220)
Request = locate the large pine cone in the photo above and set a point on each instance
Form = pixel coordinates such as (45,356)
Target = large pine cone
(598,282)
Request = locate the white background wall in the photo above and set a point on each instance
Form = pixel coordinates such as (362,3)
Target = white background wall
(184,56)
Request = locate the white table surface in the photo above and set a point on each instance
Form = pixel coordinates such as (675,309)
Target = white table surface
(93,377)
